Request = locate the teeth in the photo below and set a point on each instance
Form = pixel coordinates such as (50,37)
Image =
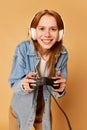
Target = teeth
(46,41)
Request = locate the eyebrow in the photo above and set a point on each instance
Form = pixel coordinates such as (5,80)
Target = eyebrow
(50,26)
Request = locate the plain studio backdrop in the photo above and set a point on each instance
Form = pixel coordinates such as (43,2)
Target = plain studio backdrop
(15,17)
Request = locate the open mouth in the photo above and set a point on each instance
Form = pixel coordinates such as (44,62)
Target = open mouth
(46,40)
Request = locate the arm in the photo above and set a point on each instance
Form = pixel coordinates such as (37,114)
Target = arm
(61,73)
(18,71)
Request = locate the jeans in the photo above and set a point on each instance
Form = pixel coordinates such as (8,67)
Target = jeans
(13,122)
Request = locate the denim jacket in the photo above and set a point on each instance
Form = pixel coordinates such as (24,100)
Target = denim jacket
(24,103)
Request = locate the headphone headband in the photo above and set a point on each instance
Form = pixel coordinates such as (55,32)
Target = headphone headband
(37,17)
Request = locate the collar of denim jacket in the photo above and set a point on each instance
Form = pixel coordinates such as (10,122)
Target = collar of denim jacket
(31,49)
(64,50)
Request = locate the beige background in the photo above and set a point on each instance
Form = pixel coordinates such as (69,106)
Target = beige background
(15,17)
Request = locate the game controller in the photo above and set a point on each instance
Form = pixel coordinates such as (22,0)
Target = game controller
(40,81)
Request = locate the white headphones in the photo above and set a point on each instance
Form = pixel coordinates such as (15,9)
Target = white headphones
(32,32)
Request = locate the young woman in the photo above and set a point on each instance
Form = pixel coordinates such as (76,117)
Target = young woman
(42,56)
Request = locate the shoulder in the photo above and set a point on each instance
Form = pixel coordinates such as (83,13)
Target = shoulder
(64,50)
(63,54)
(23,46)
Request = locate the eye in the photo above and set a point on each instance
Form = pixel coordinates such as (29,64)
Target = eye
(54,29)
(41,28)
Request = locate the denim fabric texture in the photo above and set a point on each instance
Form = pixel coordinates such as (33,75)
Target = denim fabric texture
(24,103)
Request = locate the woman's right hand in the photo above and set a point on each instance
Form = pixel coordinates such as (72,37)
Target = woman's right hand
(27,80)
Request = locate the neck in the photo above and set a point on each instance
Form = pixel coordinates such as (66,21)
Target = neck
(45,56)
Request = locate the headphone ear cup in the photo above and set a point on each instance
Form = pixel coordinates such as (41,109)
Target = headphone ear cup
(33,33)
(61,33)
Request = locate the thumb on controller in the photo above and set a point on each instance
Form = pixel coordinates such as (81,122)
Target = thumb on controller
(58,74)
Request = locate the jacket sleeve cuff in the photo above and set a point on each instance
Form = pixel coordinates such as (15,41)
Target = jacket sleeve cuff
(18,88)
(58,94)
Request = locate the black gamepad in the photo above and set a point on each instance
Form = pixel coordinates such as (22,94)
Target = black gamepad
(40,81)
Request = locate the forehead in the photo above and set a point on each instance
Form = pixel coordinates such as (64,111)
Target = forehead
(47,20)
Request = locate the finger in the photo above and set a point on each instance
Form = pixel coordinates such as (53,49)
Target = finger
(58,73)
(61,88)
(63,85)
(31,74)
(26,87)
(27,81)
(61,80)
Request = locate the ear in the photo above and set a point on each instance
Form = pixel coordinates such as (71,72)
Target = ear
(33,33)
(61,33)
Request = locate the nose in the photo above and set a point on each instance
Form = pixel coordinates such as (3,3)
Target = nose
(47,33)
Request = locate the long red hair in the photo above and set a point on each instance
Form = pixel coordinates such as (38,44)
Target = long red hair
(56,49)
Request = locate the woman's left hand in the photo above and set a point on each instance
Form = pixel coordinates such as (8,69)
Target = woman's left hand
(62,81)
